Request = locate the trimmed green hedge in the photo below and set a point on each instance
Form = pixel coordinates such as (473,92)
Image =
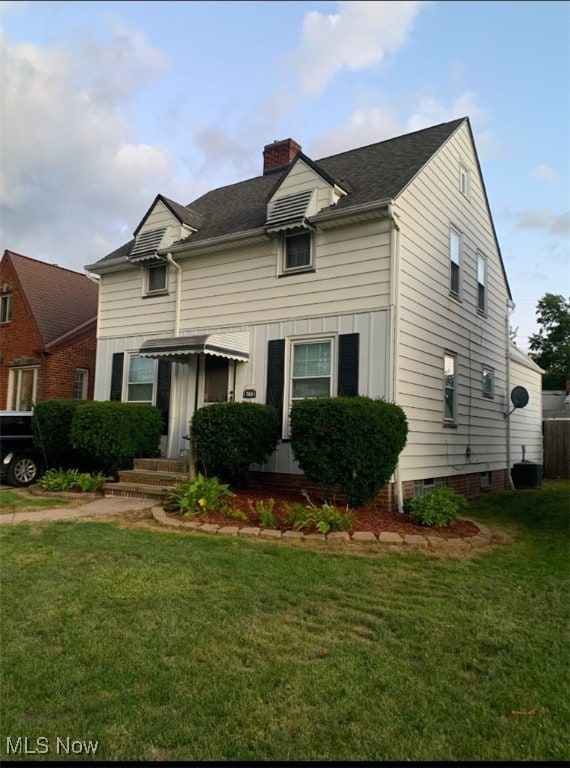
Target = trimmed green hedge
(229,437)
(51,424)
(113,433)
(352,442)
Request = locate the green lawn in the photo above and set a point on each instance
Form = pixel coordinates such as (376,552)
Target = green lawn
(18,500)
(167,646)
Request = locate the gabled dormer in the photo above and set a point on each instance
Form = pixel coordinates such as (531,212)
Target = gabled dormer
(165,223)
(303,191)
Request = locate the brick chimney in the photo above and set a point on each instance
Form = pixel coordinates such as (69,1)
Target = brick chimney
(279,154)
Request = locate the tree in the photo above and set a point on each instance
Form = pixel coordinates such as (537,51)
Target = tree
(550,347)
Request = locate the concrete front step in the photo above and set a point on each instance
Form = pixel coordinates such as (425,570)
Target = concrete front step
(148,477)
(136,491)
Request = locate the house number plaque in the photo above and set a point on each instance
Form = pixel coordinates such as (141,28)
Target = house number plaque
(249,394)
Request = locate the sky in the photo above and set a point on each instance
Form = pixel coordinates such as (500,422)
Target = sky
(103,105)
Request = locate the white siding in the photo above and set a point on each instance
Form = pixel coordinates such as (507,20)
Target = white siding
(526,423)
(302,177)
(431,322)
(352,273)
(372,327)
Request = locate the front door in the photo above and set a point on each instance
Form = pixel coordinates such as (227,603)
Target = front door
(216,379)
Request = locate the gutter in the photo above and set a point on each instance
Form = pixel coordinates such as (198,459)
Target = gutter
(395,331)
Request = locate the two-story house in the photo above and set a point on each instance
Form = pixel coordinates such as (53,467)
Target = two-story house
(375,271)
(48,323)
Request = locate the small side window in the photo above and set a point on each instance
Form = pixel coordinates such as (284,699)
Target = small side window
(454,263)
(488,382)
(464,181)
(6,308)
(297,252)
(156,279)
(481,284)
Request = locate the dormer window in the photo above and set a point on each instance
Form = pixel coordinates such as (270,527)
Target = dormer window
(297,251)
(156,279)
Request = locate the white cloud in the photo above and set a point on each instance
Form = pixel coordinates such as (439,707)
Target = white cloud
(546,219)
(366,125)
(359,36)
(548,174)
(71,163)
(430,111)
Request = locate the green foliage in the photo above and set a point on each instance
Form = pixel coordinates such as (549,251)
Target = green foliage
(229,437)
(264,511)
(550,347)
(51,424)
(324,519)
(203,494)
(353,442)
(72,480)
(113,433)
(438,508)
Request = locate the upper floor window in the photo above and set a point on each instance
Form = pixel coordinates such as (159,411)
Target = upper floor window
(80,384)
(450,388)
(454,262)
(464,181)
(481,283)
(298,252)
(6,308)
(156,278)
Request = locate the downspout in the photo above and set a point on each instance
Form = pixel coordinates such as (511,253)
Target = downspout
(510,309)
(395,331)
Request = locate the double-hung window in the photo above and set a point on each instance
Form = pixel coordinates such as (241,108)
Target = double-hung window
(488,382)
(141,380)
(311,368)
(156,279)
(22,388)
(297,251)
(81,383)
(481,284)
(6,308)
(454,263)
(450,388)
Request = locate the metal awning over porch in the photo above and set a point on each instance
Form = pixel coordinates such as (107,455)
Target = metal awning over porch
(234,346)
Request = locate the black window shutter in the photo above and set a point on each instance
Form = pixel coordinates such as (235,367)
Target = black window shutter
(163,391)
(348,344)
(275,374)
(117,376)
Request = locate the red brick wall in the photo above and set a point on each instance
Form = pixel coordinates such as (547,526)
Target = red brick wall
(469,485)
(20,342)
(279,154)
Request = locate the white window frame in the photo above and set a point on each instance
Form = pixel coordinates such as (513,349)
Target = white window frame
(15,387)
(290,235)
(6,308)
(81,375)
(127,380)
(291,343)
(481,263)
(455,233)
(450,420)
(464,181)
(488,373)
(155,291)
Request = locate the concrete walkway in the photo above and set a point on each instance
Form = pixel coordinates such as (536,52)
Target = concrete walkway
(108,505)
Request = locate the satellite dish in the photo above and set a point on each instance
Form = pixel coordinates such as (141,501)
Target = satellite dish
(519,397)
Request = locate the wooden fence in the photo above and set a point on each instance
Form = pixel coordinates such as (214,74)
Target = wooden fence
(556,449)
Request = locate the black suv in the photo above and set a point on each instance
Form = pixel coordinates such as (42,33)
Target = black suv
(20,464)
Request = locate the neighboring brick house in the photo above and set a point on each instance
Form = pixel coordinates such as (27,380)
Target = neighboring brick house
(48,323)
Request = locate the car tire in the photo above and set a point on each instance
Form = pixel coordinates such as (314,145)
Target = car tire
(23,470)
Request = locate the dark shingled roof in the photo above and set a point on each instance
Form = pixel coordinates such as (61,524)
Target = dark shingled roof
(60,301)
(373,173)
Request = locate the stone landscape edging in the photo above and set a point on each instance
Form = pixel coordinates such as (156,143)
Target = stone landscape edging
(481,538)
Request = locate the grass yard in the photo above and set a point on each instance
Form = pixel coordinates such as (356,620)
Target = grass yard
(169,646)
(14,500)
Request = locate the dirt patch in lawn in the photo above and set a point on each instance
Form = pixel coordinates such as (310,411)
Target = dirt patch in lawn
(369,517)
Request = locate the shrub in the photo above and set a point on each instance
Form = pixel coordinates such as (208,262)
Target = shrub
(113,433)
(438,508)
(51,423)
(71,480)
(352,442)
(229,437)
(203,494)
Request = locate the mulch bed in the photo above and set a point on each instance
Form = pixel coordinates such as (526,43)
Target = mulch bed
(367,518)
